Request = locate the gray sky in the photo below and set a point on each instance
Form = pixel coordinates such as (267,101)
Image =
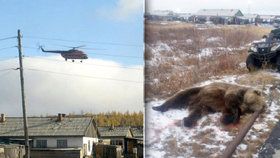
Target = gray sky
(50,93)
(252,6)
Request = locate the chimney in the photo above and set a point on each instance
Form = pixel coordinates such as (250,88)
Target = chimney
(2,118)
(60,117)
(112,127)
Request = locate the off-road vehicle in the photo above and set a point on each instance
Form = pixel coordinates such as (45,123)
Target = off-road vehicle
(265,53)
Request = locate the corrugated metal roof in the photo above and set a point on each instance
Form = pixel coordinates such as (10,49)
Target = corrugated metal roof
(47,126)
(137,131)
(118,131)
(217,12)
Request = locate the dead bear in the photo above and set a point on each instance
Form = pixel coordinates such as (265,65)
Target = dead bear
(232,100)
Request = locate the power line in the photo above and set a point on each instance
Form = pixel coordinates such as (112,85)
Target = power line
(5,73)
(7,38)
(6,69)
(30,47)
(122,67)
(81,41)
(9,58)
(85,76)
(7,48)
(124,56)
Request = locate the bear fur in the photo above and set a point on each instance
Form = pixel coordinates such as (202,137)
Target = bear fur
(232,100)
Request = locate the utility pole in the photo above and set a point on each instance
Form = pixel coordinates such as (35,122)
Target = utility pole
(26,137)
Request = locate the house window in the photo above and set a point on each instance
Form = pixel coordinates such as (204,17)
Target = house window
(62,143)
(41,143)
(119,142)
(89,145)
(116,142)
(113,142)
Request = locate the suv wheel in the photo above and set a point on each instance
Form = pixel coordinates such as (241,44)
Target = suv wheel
(252,63)
(278,63)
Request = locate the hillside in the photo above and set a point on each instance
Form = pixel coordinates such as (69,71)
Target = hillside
(183,55)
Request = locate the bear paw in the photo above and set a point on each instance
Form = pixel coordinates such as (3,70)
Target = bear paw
(228,119)
(159,108)
(188,122)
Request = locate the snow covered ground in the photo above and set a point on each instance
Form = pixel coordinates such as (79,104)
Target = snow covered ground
(183,55)
(166,137)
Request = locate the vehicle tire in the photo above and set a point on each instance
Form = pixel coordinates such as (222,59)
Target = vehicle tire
(278,63)
(252,63)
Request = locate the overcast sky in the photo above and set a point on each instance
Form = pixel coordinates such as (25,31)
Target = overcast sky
(252,6)
(113,30)
(99,22)
(87,89)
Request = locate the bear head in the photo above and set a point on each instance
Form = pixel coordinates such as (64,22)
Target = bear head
(253,100)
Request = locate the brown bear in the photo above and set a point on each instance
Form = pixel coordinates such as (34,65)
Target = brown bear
(232,100)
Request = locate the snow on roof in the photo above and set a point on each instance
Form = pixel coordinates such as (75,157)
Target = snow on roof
(219,12)
(250,16)
(267,16)
(184,15)
(161,12)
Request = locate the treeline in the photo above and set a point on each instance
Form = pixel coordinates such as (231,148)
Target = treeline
(118,118)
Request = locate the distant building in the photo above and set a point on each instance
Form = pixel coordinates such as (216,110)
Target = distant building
(49,135)
(252,18)
(267,19)
(160,15)
(218,16)
(114,135)
(137,132)
(129,138)
(133,147)
(185,17)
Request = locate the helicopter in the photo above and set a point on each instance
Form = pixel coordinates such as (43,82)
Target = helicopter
(68,54)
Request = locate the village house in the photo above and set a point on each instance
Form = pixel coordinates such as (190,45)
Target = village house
(137,132)
(114,135)
(183,16)
(160,15)
(267,19)
(134,146)
(252,18)
(218,16)
(129,138)
(52,136)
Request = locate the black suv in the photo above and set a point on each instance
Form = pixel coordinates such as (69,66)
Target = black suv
(265,52)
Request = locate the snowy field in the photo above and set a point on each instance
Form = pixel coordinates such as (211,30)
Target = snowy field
(178,56)
(166,137)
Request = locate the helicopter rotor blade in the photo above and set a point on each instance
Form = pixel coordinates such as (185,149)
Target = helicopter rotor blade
(93,48)
(79,46)
(70,46)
